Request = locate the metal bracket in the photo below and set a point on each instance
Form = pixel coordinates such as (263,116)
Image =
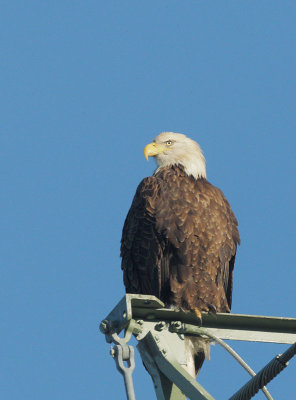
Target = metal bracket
(121,352)
(166,368)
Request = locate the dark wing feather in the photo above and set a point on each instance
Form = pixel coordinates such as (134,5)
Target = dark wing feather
(228,280)
(234,240)
(227,251)
(145,256)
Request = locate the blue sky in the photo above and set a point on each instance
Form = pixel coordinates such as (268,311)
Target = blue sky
(84,86)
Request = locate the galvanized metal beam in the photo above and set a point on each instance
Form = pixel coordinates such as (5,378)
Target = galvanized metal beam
(245,335)
(225,326)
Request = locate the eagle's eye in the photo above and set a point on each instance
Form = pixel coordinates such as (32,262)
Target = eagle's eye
(168,142)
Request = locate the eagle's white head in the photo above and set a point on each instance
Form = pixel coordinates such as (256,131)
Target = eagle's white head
(169,148)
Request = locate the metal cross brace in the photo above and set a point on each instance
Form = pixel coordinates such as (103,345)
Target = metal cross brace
(164,360)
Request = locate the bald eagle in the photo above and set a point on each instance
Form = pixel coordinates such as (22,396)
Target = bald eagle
(180,236)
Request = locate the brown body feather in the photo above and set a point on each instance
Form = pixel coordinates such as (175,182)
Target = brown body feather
(179,242)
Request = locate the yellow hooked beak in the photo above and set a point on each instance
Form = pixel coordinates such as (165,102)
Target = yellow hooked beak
(152,149)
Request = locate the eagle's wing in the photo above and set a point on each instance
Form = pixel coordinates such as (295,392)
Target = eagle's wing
(227,251)
(145,269)
(227,276)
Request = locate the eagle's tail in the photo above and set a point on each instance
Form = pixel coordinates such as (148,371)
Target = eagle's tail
(197,350)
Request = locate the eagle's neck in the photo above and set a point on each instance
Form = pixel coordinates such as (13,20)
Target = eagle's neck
(197,169)
(166,172)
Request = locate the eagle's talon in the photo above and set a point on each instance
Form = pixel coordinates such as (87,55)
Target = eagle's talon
(212,309)
(197,313)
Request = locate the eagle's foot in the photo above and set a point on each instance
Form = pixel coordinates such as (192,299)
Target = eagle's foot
(197,313)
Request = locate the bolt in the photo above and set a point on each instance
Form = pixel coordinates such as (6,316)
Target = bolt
(156,338)
(140,322)
(105,326)
(176,325)
(138,329)
(164,351)
(160,326)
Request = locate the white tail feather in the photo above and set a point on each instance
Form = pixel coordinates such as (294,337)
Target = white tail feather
(193,346)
